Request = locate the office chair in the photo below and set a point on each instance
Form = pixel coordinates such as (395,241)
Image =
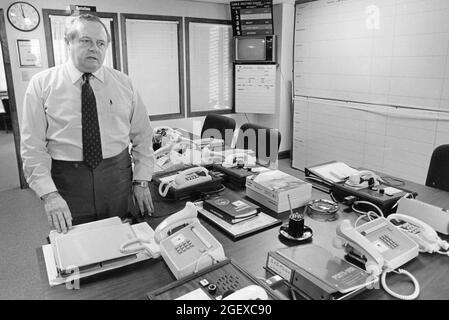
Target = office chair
(6,117)
(248,138)
(220,123)
(438,174)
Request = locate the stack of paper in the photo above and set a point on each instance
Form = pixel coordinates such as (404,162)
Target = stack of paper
(92,248)
(273,188)
(332,172)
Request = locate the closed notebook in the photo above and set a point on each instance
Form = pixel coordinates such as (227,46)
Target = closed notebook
(231,207)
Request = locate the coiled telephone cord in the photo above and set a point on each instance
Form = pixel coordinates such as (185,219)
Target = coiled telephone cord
(412,296)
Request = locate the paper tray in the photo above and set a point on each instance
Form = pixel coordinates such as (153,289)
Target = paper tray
(54,278)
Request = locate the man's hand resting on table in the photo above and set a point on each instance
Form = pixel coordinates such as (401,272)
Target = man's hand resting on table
(144,201)
(58,212)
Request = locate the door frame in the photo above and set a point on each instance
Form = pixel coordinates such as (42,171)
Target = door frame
(11,97)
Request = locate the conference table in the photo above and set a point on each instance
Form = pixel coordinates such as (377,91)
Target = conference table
(136,280)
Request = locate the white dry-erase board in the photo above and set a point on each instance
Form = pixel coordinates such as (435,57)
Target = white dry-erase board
(255,88)
(371,83)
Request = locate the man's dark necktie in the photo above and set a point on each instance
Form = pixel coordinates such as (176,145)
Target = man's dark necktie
(92,154)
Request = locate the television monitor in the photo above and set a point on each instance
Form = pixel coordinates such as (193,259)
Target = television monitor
(254,49)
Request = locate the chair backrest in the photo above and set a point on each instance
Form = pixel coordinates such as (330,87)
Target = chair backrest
(219,127)
(251,136)
(438,174)
(5,102)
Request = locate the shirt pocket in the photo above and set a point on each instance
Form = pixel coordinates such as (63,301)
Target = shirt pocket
(116,104)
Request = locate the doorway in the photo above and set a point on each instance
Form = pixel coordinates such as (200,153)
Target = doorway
(11,174)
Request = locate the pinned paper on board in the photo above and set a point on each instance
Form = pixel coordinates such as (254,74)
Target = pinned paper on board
(255,88)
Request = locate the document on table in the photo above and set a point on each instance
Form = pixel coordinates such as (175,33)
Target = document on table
(332,172)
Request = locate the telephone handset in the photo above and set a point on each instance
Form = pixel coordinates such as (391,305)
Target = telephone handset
(167,143)
(359,245)
(190,248)
(382,248)
(180,219)
(183,179)
(240,159)
(423,234)
(184,244)
(363,179)
(251,292)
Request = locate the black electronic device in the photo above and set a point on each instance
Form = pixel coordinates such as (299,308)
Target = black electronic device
(252,17)
(234,177)
(383,196)
(316,273)
(191,182)
(214,283)
(255,49)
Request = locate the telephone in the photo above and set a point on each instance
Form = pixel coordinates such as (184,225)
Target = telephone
(239,159)
(381,248)
(168,143)
(184,244)
(209,156)
(251,292)
(184,179)
(423,234)
(201,157)
(162,136)
(436,217)
(363,179)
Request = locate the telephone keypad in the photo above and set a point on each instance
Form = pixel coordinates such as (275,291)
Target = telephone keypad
(184,246)
(410,228)
(388,241)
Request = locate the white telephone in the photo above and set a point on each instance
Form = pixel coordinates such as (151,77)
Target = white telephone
(170,142)
(381,247)
(184,244)
(423,234)
(201,157)
(363,179)
(243,159)
(251,292)
(184,179)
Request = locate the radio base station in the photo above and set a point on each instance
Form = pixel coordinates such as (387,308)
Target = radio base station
(316,274)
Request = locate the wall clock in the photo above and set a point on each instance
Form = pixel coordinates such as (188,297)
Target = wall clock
(23,16)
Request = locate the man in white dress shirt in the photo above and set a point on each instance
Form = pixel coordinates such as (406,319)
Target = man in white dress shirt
(79,119)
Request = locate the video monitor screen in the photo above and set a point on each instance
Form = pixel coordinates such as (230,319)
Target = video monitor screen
(251,49)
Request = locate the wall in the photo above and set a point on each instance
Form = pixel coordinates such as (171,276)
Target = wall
(279,120)
(283,15)
(156,7)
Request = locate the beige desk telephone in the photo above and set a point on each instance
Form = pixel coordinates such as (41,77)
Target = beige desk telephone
(382,248)
(184,179)
(184,244)
(251,292)
(363,179)
(423,234)
(239,159)
(172,144)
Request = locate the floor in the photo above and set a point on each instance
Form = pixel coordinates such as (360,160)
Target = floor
(23,228)
(9,175)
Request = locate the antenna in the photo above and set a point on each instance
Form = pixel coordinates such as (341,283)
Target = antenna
(290,205)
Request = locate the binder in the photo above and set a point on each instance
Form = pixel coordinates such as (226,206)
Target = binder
(231,207)
(330,172)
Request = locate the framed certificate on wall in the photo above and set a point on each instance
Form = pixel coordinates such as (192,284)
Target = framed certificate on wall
(29,53)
